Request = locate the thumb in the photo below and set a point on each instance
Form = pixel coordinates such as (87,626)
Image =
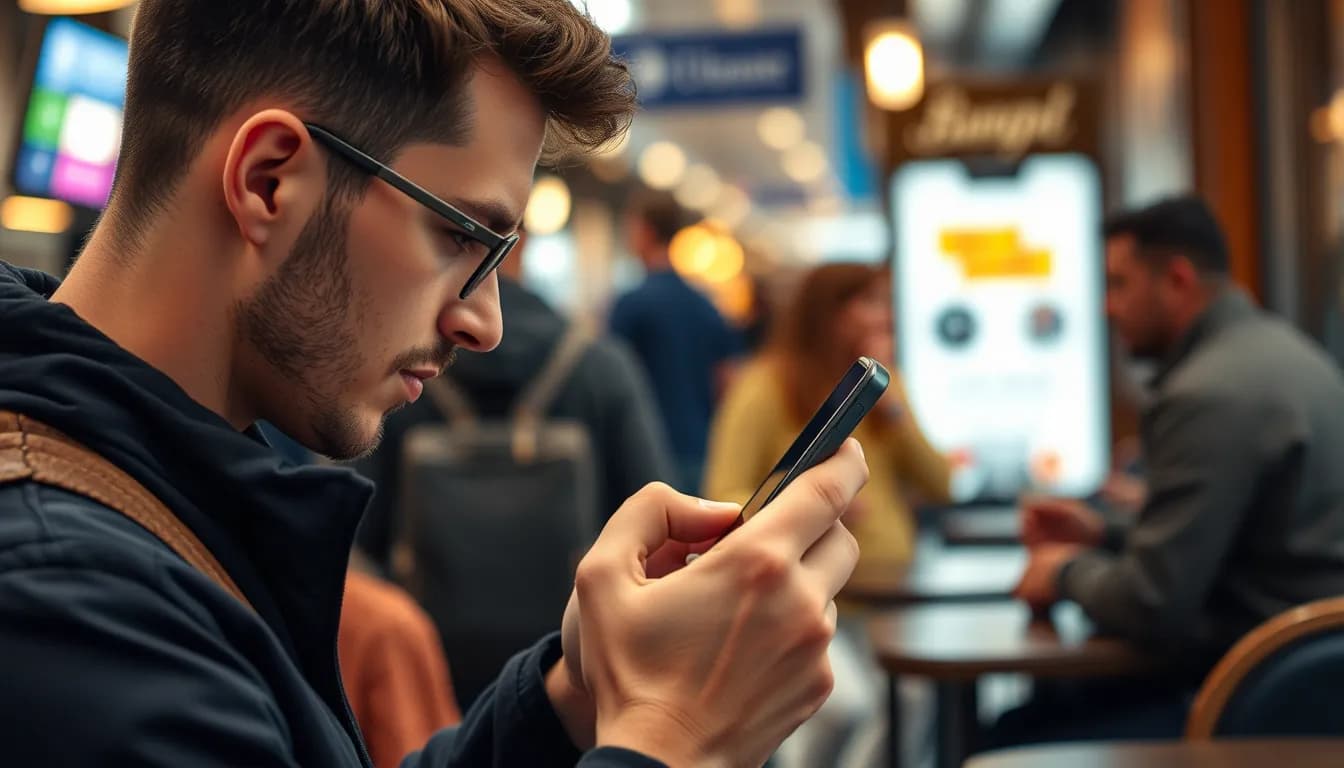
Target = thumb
(658,514)
(697,520)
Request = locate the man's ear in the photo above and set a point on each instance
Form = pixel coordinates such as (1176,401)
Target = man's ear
(1182,274)
(274,178)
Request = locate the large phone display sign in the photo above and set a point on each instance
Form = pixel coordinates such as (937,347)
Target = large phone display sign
(1000,327)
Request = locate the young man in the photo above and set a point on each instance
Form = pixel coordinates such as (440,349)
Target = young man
(250,266)
(1244,514)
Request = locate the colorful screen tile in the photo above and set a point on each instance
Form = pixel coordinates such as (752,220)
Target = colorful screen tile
(72,125)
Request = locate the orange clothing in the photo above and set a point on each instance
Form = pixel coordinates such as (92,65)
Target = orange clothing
(393,668)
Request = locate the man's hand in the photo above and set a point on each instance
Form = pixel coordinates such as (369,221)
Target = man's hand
(1052,520)
(713,663)
(1125,491)
(1039,587)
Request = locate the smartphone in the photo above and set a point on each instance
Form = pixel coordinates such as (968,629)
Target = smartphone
(848,403)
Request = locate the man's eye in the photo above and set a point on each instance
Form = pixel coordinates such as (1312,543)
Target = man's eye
(459,239)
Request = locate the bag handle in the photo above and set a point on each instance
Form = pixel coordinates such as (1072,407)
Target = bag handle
(30,450)
(537,398)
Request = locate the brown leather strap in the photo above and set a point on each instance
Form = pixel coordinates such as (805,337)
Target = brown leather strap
(30,450)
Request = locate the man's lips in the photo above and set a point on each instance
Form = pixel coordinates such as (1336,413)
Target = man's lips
(414,379)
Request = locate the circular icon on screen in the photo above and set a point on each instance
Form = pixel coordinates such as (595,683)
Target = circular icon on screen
(1044,323)
(956,326)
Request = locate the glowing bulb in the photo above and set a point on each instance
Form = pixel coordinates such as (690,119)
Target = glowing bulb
(692,250)
(732,208)
(805,163)
(613,16)
(35,214)
(662,164)
(71,7)
(738,14)
(729,258)
(893,64)
(699,187)
(548,208)
(780,127)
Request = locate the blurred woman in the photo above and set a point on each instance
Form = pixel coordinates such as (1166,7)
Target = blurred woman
(839,313)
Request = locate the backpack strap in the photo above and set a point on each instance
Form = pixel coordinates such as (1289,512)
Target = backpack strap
(536,399)
(451,400)
(30,450)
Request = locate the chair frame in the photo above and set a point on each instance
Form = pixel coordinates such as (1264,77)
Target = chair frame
(1249,652)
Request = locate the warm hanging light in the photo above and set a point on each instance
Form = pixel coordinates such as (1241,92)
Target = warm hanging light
(662,164)
(35,214)
(893,65)
(548,208)
(699,188)
(781,127)
(71,7)
(805,163)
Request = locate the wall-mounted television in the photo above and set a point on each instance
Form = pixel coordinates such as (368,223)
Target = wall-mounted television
(71,129)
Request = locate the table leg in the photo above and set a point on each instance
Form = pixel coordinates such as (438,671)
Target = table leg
(893,722)
(958,722)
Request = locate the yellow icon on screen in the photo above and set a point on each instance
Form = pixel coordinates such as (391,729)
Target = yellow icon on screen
(994,253)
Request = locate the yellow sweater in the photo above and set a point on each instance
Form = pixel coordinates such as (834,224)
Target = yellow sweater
(753,428)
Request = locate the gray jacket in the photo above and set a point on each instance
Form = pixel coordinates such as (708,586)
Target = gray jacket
(1244,443)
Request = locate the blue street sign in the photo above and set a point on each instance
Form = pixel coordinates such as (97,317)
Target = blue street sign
(697,69)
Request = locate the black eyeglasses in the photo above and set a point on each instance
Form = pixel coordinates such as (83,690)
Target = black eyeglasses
(498,245)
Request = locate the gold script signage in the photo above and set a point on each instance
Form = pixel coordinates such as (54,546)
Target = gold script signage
(1006,120)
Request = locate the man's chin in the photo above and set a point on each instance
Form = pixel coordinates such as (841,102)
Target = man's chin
(348,438)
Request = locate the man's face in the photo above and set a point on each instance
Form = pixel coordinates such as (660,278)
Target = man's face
(366,306)
(1137,300)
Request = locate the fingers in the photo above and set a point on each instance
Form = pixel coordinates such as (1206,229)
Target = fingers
(830,562)
(658,514)
(807,509)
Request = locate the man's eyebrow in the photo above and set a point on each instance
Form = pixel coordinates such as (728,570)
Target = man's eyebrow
(500,218)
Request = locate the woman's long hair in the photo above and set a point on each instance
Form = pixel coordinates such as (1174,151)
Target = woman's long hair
(804,347)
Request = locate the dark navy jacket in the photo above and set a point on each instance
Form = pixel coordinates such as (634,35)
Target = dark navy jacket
(114,651)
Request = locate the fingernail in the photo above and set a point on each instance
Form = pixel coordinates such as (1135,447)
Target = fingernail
(860,447)
(719,506)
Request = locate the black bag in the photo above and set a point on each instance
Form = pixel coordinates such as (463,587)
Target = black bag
(495,514)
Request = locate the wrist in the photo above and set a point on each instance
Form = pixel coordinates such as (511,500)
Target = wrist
(657,734)
(572,706)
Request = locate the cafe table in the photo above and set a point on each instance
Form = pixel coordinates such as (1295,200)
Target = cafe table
(1226,753)
(955,644)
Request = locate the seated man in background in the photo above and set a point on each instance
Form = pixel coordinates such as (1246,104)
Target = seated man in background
(1244,512)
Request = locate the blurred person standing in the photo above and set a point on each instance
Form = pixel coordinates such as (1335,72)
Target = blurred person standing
(839,313)
(685,344)
(1243,515)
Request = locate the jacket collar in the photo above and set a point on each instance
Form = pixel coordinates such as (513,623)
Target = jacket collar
(282,532)
(1229,307)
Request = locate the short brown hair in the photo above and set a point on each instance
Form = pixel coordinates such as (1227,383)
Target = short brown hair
(383,73)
